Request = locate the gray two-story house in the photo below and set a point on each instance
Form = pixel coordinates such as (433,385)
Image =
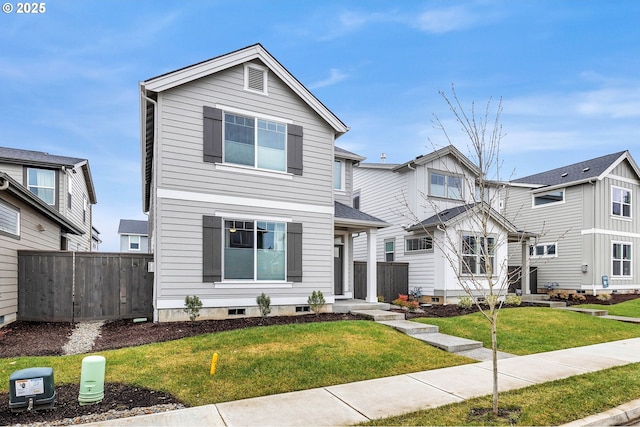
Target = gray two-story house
(134,235)
(587,214)
(240,182)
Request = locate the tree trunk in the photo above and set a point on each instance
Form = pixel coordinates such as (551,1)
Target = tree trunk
(494,348)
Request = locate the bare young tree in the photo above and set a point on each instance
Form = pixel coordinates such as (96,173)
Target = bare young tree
(479,271)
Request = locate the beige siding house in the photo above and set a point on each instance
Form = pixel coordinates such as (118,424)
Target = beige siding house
(238,182)
(26,223)
(588,213)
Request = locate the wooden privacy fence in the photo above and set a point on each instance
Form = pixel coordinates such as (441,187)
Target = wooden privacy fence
(392,279)
(76,286)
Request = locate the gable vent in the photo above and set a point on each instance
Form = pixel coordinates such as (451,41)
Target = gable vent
(255,79)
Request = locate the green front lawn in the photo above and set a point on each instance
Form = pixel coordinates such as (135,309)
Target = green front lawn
(528,330)
(627,309)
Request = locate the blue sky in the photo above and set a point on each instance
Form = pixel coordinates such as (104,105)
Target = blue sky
(568,73)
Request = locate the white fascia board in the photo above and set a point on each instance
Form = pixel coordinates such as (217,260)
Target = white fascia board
(563,185)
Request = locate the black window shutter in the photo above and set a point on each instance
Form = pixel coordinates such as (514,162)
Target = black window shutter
(294,149)
(294,252)
(212,138)
(211,249)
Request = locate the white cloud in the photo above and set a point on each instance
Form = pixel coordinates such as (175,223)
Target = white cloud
(335,76)
(445,20)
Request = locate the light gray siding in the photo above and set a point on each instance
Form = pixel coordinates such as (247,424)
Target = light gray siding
(180,162)
(30,238)
(76,213)
(125,243)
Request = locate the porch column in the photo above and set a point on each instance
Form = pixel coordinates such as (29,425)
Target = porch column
(372,270)
(524,273)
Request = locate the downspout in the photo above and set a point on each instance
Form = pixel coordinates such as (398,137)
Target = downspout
(155,145)
(593,237)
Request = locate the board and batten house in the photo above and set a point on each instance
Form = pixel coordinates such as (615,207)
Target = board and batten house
(588,212)
(239,173)
(432,205)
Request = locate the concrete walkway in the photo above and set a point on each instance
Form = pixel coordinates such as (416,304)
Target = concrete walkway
(351,403)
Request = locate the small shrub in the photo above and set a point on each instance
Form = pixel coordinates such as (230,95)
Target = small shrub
(192,306)
(264,303)
(604,297)
(563,295)
(401,300)
(465,302)
(514,300)
(380,298)
(316,301)
(412,305)
(578,297)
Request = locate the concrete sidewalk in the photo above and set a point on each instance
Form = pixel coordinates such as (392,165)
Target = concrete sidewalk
(352,403)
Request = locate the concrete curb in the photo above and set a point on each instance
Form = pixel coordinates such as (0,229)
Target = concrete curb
(620,415)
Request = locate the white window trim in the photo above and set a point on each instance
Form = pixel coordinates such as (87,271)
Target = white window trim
(265,78)
(18,218)
(446,175)
(139,242)
(55,184)
(622,217)
(243,112)
(630,276)
(477,255)
(342,173)
(417,251)
(69,190)
(545,255)
(250,170)
(563,201)
(384,247)
(252,283)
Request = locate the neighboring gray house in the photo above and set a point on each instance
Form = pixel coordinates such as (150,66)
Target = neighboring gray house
(588,212)
(63,183)
(134,235)
(26,223)
(240,182)
(430,202)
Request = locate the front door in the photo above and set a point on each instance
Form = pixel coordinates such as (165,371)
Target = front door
(338,267)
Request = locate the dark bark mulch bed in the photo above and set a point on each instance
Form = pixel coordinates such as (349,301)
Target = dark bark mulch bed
(46,339)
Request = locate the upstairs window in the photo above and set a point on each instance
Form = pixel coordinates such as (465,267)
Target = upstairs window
(444,185)
(9,219)
(134,243)
(338,175)
(85,208)
(255,142)
(356,200)
(549,198)
(477,254)
(69,190)
(42,183)
(621,202)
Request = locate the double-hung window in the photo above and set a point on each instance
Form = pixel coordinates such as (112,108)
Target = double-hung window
(42,183)
(478,253)
(445,185)
(338,175)
(254,250)
(621,259)
(544,250)
(620,202)
(9,219)
(389,250)
(134,243)
(255,142)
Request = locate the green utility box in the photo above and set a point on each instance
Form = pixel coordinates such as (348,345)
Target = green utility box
(31,389)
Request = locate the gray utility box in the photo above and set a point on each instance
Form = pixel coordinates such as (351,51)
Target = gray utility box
(31,388)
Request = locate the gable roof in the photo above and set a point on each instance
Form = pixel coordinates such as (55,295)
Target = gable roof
(456,213)
(580,172)
(150,87)
(133,226)
(46,160)
(438,154)
(21,192)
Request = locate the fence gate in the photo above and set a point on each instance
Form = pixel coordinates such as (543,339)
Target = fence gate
(76,286)
(392,279)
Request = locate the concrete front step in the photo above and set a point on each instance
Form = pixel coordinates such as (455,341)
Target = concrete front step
(590,311)
(379,315)
(544,303)
(448,342)
(410,328)
(347,306)
(623,319)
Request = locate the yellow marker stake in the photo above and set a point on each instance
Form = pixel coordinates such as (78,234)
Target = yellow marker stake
(214,362)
